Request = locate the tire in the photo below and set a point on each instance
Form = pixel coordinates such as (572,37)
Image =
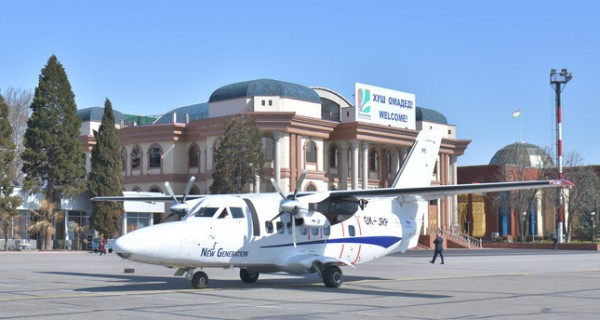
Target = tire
(199,280)
(248,276)
(332,276)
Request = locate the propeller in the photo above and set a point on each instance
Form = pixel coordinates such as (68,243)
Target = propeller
(179,208)
(296,208)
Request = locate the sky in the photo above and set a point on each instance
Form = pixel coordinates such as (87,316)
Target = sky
(476,62)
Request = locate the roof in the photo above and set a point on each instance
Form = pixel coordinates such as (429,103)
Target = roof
(264,87)
(183,114)
(429,115)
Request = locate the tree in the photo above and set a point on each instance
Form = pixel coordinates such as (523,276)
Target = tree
(239,158)
(581,199)
(8,202)
(105,176)
(53,159)
(43,226)
(18,101)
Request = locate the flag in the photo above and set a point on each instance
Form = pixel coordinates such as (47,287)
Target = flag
(517,113)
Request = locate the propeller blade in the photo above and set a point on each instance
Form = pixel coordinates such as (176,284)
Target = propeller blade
(188,187)
(277,216)
(170,191)
(278,188)
(299,183)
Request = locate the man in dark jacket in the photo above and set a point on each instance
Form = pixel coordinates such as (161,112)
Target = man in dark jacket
(439,247)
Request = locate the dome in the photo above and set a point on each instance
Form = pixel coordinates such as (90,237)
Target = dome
(264,87)
(522,154)
(429,115)
(94,114)
(193,112)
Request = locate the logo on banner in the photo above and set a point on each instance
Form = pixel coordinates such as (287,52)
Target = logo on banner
(364,103)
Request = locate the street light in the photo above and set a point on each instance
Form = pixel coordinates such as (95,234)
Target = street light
(593,214)
(559,81)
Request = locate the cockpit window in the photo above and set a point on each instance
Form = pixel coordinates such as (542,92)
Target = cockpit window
(237,212)
(206,212)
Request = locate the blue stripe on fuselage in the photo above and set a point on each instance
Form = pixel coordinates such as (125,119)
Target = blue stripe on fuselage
(381,241)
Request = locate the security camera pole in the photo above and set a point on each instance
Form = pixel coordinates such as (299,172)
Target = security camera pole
(559,81)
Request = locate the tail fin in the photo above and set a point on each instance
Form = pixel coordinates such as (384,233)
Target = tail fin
(417,171)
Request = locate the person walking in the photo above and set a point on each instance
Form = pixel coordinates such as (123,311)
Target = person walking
(439,247)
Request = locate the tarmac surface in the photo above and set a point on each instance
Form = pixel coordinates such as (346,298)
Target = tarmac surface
(472,284)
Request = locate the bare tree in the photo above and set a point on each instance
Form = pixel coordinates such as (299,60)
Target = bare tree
(18,101)
(581,199)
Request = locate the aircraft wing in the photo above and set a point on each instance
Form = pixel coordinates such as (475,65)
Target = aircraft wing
(436,192)
(146,197)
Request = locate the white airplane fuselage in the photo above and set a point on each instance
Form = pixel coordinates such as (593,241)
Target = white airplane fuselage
(231,231)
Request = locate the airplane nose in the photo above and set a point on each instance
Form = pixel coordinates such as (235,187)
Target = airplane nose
(135,243)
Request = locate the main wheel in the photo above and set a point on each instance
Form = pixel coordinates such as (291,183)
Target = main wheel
(332,276)
(199,280)
(248,276)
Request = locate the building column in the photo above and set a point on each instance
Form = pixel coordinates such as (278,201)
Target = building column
(277,161)
(365,165)
(355,145)
(452,179)
(343,157)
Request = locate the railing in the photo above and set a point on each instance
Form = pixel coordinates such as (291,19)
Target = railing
(466,240)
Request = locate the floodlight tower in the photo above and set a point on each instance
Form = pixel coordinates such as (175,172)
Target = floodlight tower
(559,80)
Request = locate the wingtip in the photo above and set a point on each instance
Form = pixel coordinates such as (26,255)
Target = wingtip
(562,183)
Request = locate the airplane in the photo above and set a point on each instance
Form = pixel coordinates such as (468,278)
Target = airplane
(299,232)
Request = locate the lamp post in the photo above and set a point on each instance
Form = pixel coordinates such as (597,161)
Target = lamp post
(559,80)
(593,214)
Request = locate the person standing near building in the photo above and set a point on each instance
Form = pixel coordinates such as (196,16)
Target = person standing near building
(439,247)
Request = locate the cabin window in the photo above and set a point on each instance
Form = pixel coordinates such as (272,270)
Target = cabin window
(351,231)
(280,227)
(269,226)
(303,231)
(314,231)
(327,230)
(206,212)
(236,212)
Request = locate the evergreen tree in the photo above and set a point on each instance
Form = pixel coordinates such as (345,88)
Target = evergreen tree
(105,177)
(8,202)
(239,158)
(53,159)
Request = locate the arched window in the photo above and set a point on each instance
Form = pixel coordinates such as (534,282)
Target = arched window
(311,187)
(373,160)
(136,157)
(193,157)
(311,152)
(155,189)
(268,148)
(333,157)
(154,156)
(123,158)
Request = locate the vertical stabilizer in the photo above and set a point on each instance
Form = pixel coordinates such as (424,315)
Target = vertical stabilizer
(417,170)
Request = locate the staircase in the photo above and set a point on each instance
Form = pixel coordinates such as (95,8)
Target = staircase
(460,240)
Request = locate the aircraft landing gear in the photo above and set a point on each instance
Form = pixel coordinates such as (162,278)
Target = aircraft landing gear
(199,280)
(248,276)
(332,276)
